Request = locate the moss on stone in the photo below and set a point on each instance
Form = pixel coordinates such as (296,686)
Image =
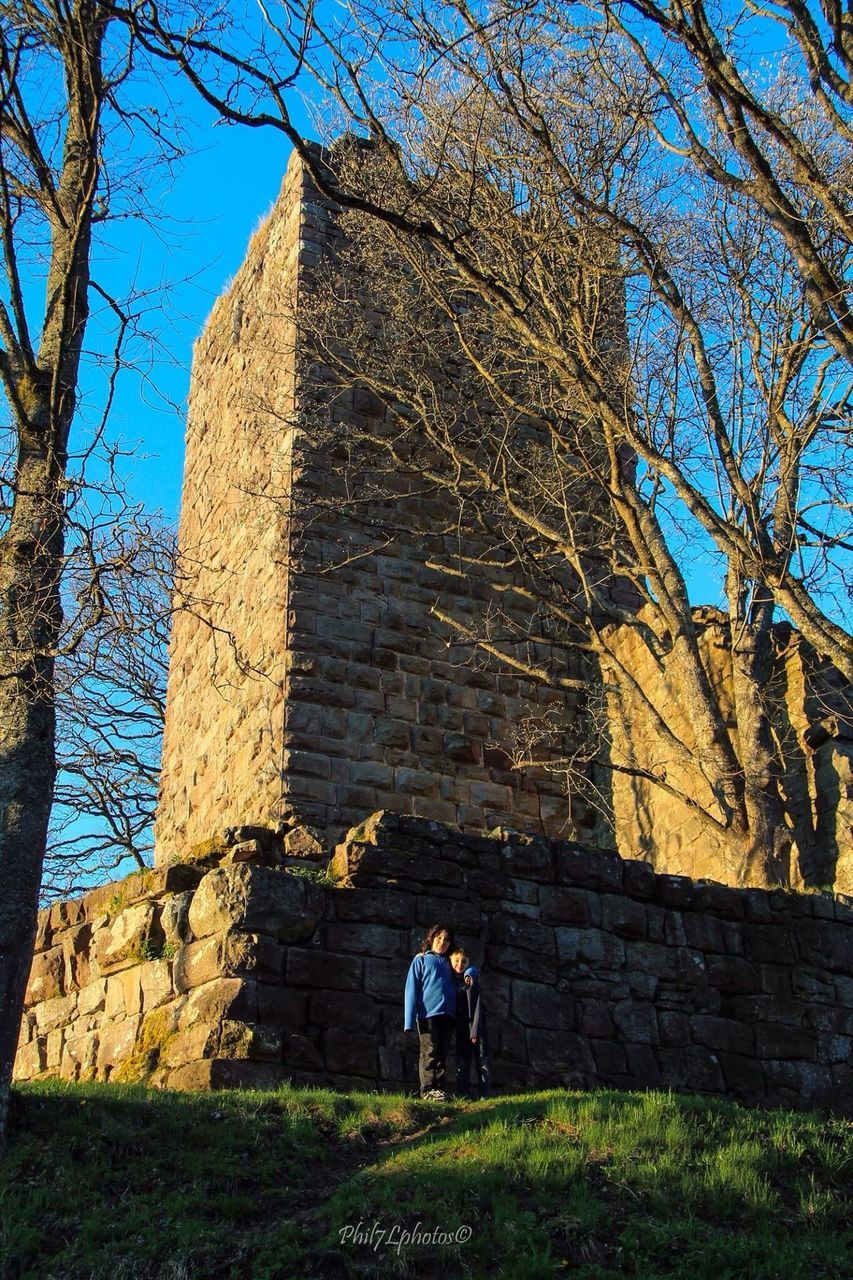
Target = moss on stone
(207,853)
(154,1034)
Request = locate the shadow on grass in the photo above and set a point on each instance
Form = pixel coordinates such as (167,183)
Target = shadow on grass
(125,1183)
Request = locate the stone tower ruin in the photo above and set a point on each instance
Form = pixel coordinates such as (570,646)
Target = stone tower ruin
(310,682)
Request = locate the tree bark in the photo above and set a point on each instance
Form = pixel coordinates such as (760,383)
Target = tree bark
(41,388)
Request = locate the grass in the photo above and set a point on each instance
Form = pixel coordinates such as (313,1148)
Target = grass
(123,1183)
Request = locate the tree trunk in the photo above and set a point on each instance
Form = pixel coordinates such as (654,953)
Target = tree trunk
(30,562)
(766,843)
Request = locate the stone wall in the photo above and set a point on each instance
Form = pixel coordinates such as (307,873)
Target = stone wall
(811,709)
(596,971)
(310,680)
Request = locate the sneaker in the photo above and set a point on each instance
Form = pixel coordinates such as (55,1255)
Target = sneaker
(436,1095)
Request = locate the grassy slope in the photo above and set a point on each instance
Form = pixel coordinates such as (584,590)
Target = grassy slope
(123,1183)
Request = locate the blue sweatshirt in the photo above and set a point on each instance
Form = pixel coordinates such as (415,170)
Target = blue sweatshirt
(430,989)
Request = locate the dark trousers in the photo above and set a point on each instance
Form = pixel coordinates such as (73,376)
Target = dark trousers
(435,1035)
(466,1054)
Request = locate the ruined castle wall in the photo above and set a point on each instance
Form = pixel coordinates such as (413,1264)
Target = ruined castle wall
(811,709)
(224,725)
(596,971)
(309,679)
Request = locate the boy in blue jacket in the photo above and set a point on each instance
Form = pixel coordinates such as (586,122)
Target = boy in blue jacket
(430,1005)
(471,1043)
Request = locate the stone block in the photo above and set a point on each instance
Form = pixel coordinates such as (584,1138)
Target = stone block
(462,917)
(256,900)
(114,997)
(785,1042)
(350,1052)
(243,1040)
(391,1064)
(80,1055)
(174,917)
(732,937)
(54,1042)
(623,916)
(250,851)
(521,964)
(594,1019)
(770,943)
(535,1005)
(346,1009)
(47,976)
(31,1059)
(815,985)
(703,1070)
(757,904)
(313,967)
(56,1012)
(674,933)
(117,1041)
(588,868)
(719,900)
(198,962)
(776,980)
(704,932)
(638,880)
(610,1060)
(743,1076)
(590,946)
(635,1021)
(282,1006)
(366,939)
(723,1034)
(225,1073)
(518,931)
(733,975)
(44,932)
(66,913)
(374,906)
(673,1028)
(528,857)
(385,979)
(155,980)
(305,842)
(198,1041)
(78,950)
(129,937)
(643,986)
(562,906)
(234,998)
(651,958)
(257,954)
(826,944)
(157,882)
(643,1065)
(675,891)
(560,1055)
(131,986)
(301,1052)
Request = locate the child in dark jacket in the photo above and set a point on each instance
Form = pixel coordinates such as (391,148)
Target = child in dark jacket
(430,1005)
(471,1043)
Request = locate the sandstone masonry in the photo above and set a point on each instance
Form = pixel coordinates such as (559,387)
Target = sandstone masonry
(596,971)
(309,680)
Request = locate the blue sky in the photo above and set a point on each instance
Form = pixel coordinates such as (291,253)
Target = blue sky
(208,212)
(192,246)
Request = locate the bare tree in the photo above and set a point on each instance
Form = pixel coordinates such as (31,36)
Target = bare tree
(78,136)
(110,707)
(536,168)
(544,177)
